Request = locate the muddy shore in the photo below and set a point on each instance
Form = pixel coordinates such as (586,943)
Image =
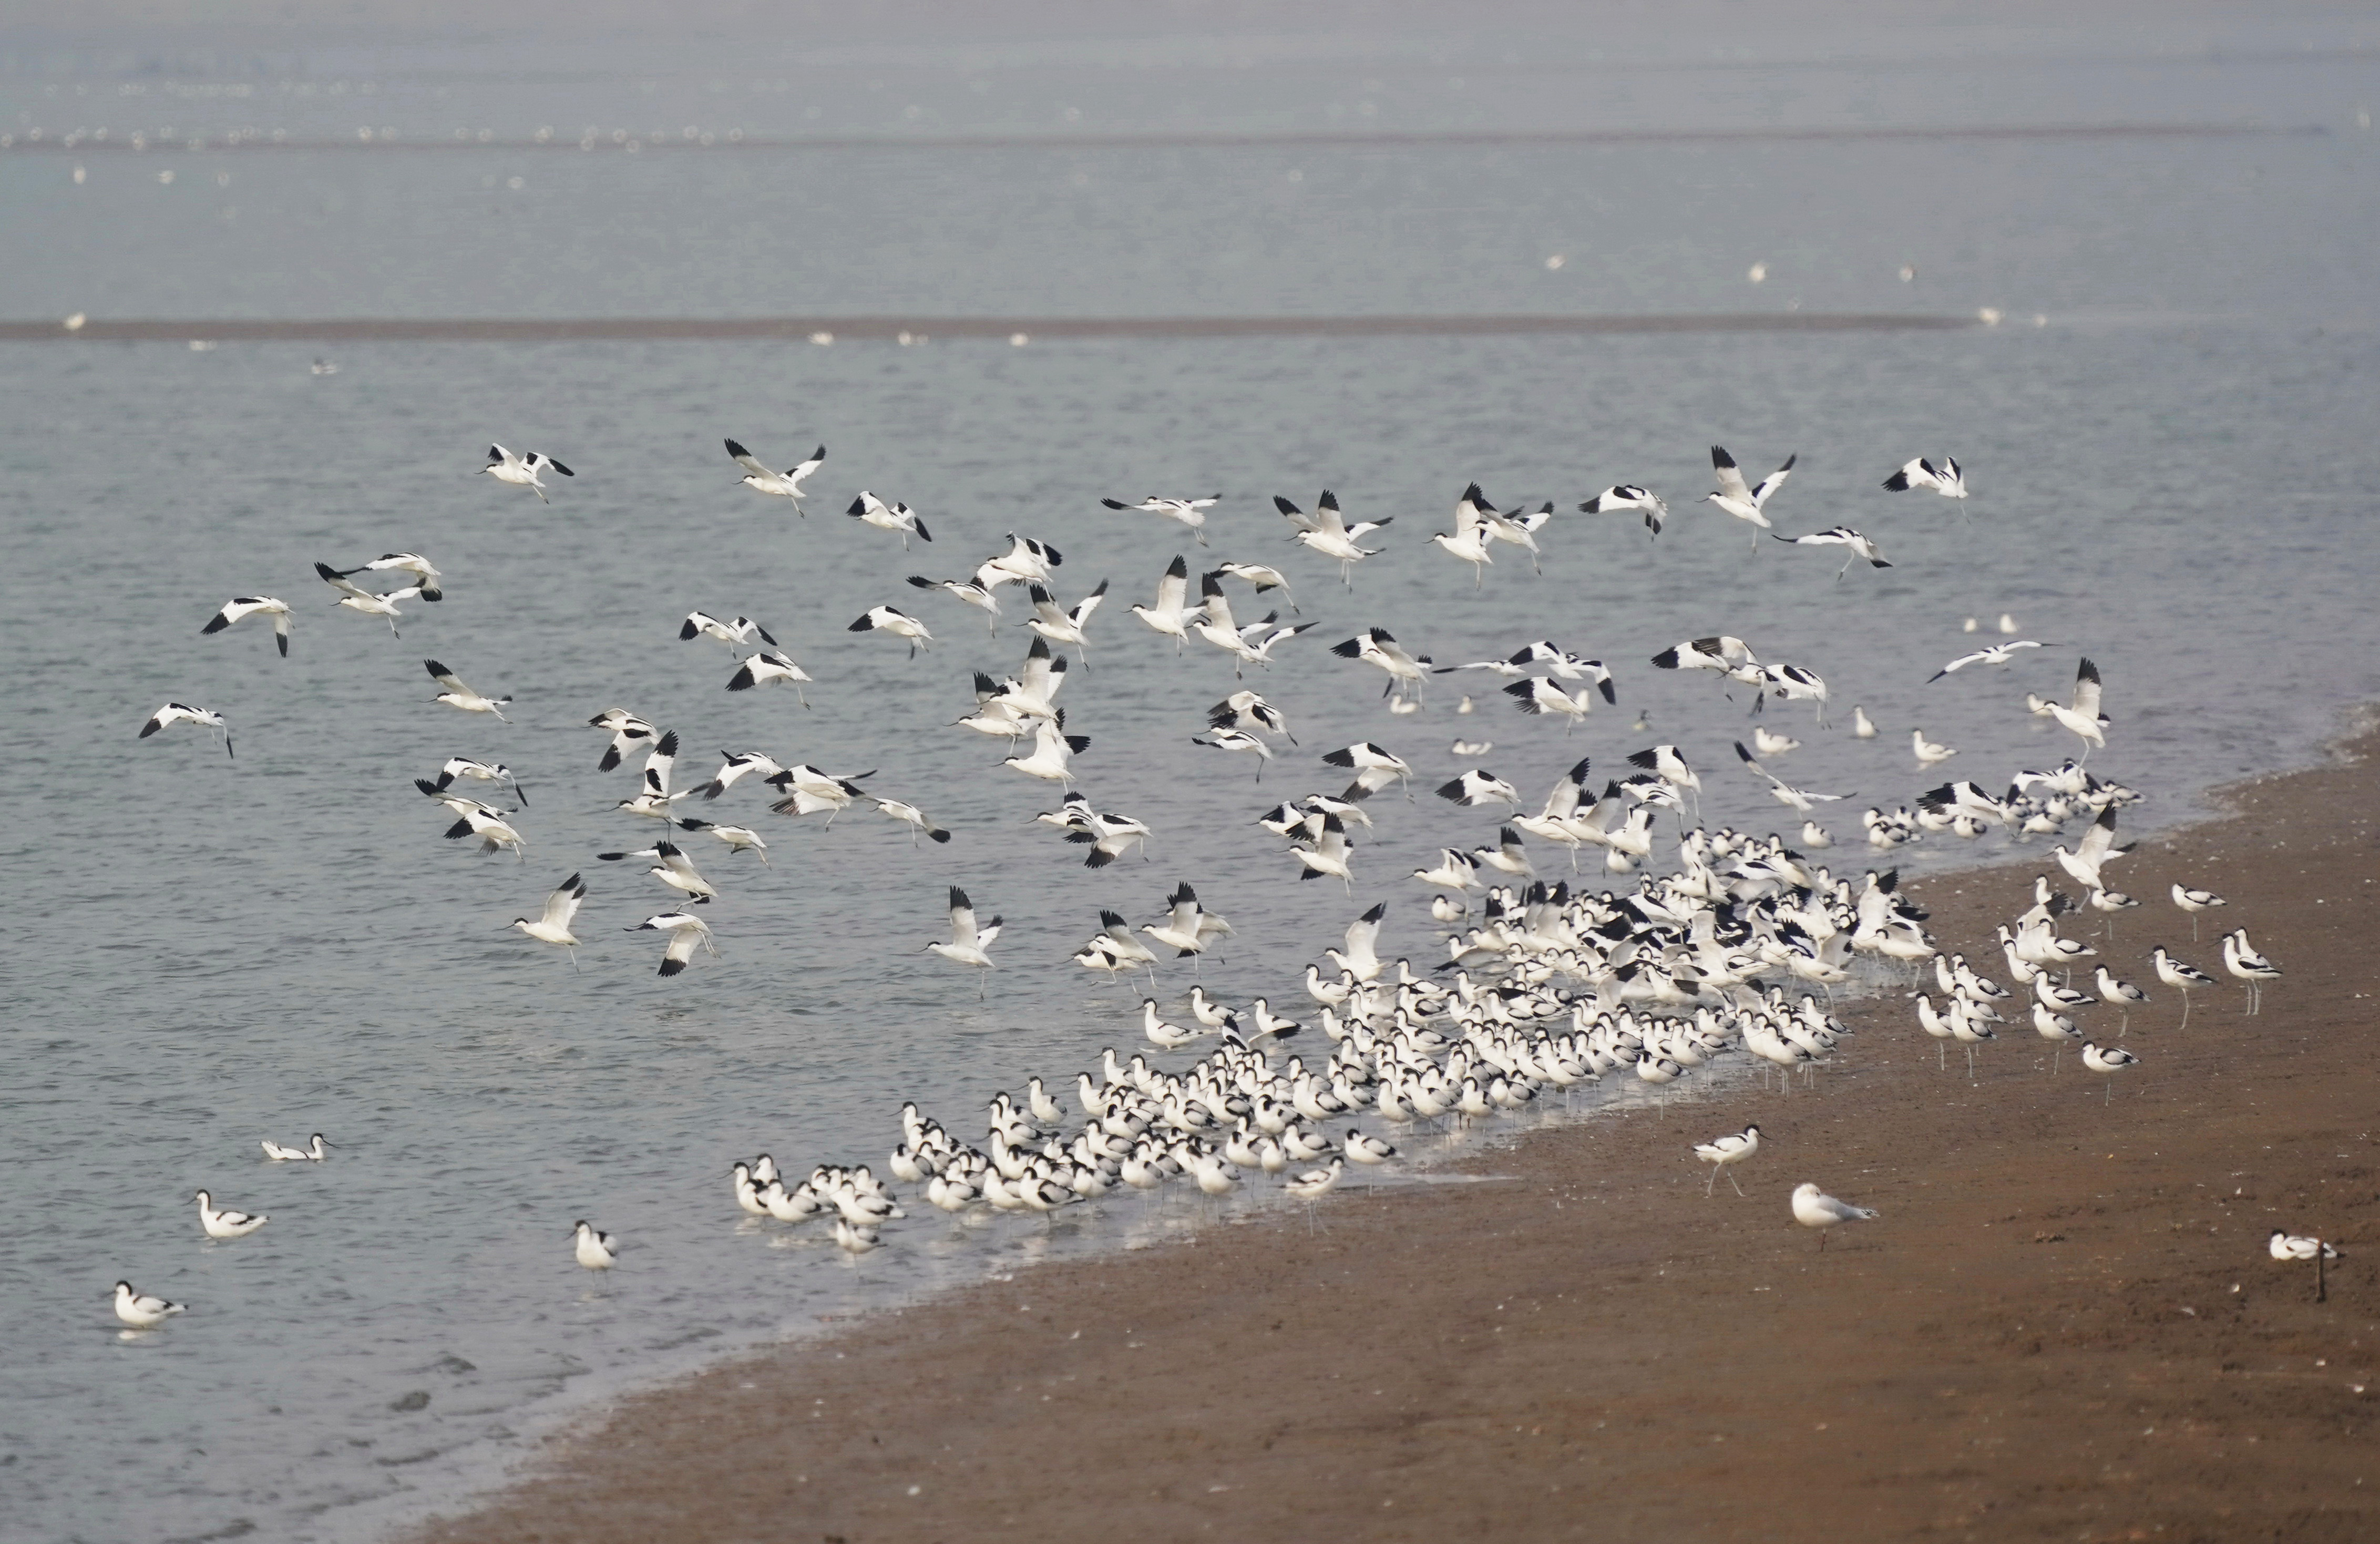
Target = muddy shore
(2064,1326)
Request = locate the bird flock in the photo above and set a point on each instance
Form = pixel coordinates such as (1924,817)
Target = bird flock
(1541,984)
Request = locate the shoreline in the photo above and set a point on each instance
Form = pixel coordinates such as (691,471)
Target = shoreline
(1280,1364)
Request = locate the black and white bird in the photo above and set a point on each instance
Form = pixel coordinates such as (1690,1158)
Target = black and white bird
(900,624)
(2096,849)
(223,1221)
(899,518)
(1171,615)
(1188,512)
(354,597)
(965,591)
(1237,740)
(523,471)
(1375,768)
(488,825)
(552,925)
(1626,496)
(809,790)
(314,1151)
(968,942)
(2251,967)
(1783,792)
(1998,654)
(2194,902)
(2282,1244)
(1187,928)
(738,838)
(1540,695)
(1479,786)
(592,1248)
(1054,751)
(627,732)
(241,607)
(737,634)
(1468,541)
(1748,503)
(674,869)
(1328,853)
(1326,531)
(1720,654)
(2179,976)
(787,484)
(142,1311)
(1057,624)
(2082,715)
(178,713)
(1262,578)
(457,694)
(911,816)
(1722,1153)
(768,667)
(1244,710)
(687,934)
(1946,479)
(1859,546)
(425,575)
(1377,646)
(478,771)
(2107,1061)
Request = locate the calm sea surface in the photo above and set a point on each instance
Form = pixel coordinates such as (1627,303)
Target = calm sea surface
(2168,437)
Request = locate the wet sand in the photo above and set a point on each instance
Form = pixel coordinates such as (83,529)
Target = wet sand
(2065,1325)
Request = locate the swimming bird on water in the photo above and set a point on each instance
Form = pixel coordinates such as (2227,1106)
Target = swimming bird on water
(176,712)
(140,1309)
(311,1153)
(223,1222)
(457,694)
(1722,1153)
(240,608)
(787,484)
(1812,1208)
(521,471)
(552,925)
(592,1249)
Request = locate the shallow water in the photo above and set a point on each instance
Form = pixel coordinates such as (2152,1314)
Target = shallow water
(2172,475)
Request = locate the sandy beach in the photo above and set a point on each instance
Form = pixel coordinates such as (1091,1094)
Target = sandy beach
(2065,1325)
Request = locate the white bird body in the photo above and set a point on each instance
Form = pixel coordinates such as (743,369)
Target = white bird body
(686,934)
(899,518)
(552,925)
(180,712)
(1744,503)
(1191,513)
(140,1309)
(311,1153)
(1326,533)
(968,942)
(595,1250)
(787,484)
(900,624)
(1723,1152)
(457,694)
(1812,1208)
(522,470)
(223,1222)
(1171,615)
(240,608)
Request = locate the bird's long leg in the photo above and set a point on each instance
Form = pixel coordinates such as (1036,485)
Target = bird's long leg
(2185,1010)
(1730,1179)
(1713,1186)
